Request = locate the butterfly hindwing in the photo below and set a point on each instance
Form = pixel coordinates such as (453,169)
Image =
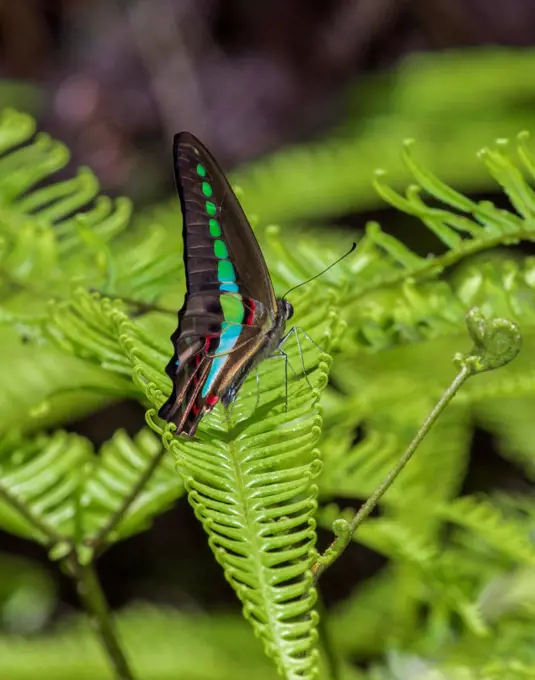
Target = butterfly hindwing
(204,366)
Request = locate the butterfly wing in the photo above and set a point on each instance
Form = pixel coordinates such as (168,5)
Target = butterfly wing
(230,306)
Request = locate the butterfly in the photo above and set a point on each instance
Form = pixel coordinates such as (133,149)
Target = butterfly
(231,319)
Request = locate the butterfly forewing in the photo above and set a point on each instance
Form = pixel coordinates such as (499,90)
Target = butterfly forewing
(212,213)
(230,306)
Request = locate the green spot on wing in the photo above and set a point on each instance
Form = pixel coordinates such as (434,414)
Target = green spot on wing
(215,228)
(201,170)
(220,250)
(232,308)
(210,208)
(206,189)
(225,271)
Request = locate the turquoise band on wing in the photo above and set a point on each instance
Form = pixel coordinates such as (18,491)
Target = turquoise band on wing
(232,305)
(228,339)
(229,287)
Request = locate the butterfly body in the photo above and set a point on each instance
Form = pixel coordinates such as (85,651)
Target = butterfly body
(272,341)
(230,320)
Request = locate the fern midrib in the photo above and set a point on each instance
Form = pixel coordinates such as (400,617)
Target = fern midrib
(450,258)
(253,533)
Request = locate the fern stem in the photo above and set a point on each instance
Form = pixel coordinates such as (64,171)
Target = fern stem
(347,529)
(440,263)
(97,541)
(140,304)
(94,601)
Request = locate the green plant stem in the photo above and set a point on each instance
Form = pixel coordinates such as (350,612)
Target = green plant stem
(94,601)
(140,304)
(441,262)
(341,542)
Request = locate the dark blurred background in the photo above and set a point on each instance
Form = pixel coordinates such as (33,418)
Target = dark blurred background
(115,79)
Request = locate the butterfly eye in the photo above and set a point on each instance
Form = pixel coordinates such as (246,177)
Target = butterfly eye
(289,309)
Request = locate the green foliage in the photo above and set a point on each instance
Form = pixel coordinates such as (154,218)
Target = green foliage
(56,490)
(163,645)
(447,599)
(452,102)
(27,596)
(249,482)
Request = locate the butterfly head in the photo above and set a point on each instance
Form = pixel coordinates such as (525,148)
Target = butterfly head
(288,309)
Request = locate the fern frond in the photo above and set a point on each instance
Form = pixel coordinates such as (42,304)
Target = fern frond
(249,478)
(511,420)
(388,422)
(130,483)
(38,503)
(55,489)
(464,227)
(150,264)
(406,101)
(481,518)
(45,246)
(43,227)
(255,498)
(87,327)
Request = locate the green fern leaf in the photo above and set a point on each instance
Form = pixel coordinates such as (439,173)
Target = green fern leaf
(508,537)
(43,250)
(55,489)
(117,473)
(39,481)
(464,226)
(249,479)
(512,422)
(464,114)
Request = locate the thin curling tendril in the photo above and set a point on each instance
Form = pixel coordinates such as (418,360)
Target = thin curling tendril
(496,343)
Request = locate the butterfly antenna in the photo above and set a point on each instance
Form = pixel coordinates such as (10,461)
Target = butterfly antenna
(321,273)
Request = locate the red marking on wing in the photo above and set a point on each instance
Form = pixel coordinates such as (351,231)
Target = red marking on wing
(211,400)
(208,342)
(250,316)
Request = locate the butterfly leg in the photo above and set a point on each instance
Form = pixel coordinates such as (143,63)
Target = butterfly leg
(295,331)
(282,353)
(307,336)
